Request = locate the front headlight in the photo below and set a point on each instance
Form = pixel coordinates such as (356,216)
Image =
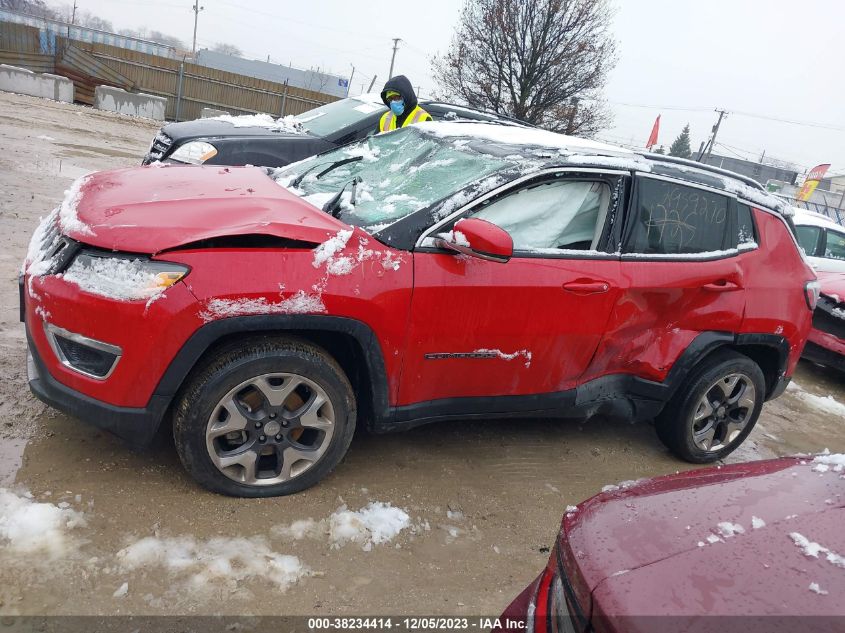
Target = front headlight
(123,277)
(194,152)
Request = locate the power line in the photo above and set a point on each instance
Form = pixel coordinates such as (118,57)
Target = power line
(824,126)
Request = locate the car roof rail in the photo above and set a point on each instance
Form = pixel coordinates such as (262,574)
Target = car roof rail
(703,167)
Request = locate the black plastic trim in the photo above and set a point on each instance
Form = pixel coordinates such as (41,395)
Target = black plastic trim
(207,335)
(137,426)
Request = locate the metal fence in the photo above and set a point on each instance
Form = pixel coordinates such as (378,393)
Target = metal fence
(187,87)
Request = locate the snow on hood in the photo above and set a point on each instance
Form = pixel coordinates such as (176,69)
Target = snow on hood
(284,124)
(147,210)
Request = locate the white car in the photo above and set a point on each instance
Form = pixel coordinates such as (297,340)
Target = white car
(822,239)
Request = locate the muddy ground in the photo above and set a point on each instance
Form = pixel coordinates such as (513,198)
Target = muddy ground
(504,483)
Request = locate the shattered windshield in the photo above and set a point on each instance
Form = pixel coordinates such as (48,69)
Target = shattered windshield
(389,176)
(337,115)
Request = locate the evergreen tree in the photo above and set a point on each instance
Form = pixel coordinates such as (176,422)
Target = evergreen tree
(680,146)
(660,150)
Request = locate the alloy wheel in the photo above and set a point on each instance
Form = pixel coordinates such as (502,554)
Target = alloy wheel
(270,429)
(723,412)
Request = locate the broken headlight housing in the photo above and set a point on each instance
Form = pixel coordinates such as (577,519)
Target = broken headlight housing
(123,277)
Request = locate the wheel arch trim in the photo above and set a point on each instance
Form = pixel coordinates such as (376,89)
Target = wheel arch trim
(204,338)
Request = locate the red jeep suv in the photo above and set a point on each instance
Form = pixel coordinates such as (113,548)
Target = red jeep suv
(446,270)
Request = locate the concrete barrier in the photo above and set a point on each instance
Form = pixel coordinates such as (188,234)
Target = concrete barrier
(132,103)
(26,82)
(209,113)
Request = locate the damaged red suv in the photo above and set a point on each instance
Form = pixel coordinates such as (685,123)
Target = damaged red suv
(446,270)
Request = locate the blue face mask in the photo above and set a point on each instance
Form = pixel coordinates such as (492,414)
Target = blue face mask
(398,107)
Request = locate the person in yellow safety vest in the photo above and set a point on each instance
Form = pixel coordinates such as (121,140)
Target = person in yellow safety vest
(399,96)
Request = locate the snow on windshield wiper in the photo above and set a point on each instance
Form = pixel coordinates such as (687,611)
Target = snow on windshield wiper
(333,206)
(338,163)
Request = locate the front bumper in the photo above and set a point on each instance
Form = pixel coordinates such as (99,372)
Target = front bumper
(137,426)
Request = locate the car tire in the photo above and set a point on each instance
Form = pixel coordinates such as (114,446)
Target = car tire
(265,417)
(715,409)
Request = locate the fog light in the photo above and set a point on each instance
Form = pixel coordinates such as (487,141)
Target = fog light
(84,355)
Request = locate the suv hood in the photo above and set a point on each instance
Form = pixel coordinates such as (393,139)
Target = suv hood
(152,209)
(654,524)
(213,128)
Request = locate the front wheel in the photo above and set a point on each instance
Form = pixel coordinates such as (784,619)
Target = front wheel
(715,409)
(266,417)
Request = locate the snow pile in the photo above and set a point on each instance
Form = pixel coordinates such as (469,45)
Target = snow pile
(728,529)
(227,560)
(622,485)
(814,587)
(813,550)
(121,591)
(68,216)
(283,124)
(757,523)
(827,404)
(508,357)
(115,278)
(299,303)
(29,527)
(375,524)
(326,251)
(455,237)
(43,240)
(827,461)
(369,154)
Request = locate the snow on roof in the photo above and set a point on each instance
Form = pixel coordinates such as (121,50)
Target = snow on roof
(513,135)
(284,124)
(811,218)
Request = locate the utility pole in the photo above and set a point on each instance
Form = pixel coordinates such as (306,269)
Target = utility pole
(196,9)
(349,84)
(712,141)
(72,19)
(372,83)
(396,41)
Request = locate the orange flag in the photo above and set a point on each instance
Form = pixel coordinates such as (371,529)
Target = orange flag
(652,139)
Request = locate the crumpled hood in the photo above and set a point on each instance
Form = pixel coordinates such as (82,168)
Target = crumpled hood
(152,209)
(627,531)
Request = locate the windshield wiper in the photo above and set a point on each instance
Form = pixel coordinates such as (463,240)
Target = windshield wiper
(333,206)
(338,163)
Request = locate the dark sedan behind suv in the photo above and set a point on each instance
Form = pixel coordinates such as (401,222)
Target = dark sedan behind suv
(268,142)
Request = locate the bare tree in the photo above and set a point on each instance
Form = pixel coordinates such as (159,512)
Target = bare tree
(227,49)
(541,61)
(91,21)
(38,8)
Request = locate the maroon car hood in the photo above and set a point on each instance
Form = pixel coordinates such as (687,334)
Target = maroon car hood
(638,548)
(151,209)
(833,285)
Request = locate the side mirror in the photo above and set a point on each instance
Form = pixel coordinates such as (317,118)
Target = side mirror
(478,238)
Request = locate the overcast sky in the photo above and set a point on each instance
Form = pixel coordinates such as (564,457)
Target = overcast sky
(680,59)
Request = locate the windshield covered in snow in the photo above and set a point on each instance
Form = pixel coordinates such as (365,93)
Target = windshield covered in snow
(389,176)
(337,115)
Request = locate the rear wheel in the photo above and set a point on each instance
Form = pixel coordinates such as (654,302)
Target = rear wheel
(715,410)
(265,418)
